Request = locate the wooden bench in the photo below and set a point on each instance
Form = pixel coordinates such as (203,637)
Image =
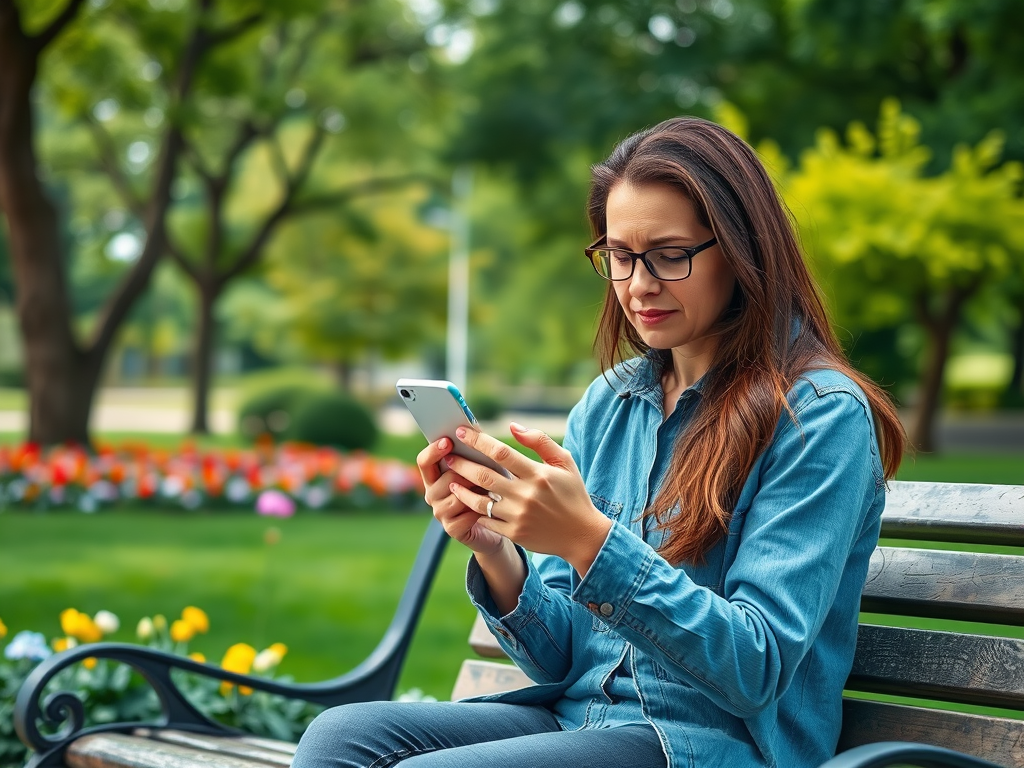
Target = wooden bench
(975,665)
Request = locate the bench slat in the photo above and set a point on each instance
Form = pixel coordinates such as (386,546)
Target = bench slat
(119,750)
(998,739)
(265,750)
(482,641)
(971,669)
(966,586)
(479,678)
(960,512)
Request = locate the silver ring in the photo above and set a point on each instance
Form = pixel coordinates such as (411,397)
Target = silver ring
(494,496)
(490,506)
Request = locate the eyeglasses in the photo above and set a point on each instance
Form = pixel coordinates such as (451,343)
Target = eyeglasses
(667,262)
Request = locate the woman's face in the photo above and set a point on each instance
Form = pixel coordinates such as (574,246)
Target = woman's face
(668,314)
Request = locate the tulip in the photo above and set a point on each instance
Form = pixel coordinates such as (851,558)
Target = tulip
(182,631)
(197,618)
(107,622)
(145,628)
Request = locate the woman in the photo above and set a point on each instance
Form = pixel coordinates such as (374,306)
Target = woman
(702,537)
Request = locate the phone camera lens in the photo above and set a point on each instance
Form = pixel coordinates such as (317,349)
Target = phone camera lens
(405,394)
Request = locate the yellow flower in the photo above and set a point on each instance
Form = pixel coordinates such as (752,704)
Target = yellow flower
(159,622)
(63,643)
(80,626)
(197,656)
(3,629)
(197,618)
(238,658)
(89,663)
(182,631)
(280,649)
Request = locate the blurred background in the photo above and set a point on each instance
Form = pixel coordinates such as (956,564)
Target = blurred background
(229,224)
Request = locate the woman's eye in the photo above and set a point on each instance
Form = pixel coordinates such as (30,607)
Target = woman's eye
(619,257)
(672,255)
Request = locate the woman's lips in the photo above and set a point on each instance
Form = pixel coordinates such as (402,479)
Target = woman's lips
(653,316)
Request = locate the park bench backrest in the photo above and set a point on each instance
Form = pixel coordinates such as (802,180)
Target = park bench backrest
(980,664)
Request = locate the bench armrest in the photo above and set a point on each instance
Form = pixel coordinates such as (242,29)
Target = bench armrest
(62,714)
(891,753)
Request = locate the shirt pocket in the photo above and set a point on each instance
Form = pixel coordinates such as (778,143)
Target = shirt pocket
(613,511)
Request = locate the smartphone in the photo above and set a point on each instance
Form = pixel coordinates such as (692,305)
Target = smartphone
(439,409)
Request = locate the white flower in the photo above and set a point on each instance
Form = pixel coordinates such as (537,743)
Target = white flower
(266,659)
(107,622)
(27,645)
(145,629)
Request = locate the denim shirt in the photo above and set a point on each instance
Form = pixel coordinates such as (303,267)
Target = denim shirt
(741,660)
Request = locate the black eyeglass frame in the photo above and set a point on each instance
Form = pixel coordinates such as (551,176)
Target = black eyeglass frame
(690,252)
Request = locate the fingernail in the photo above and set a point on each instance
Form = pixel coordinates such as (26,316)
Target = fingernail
(518,427)
(442,444)
(447,461)
(451,487)
(460,432)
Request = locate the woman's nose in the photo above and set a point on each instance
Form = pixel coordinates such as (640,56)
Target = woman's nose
(642,282)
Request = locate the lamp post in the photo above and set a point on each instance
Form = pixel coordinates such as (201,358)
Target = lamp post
(457,342)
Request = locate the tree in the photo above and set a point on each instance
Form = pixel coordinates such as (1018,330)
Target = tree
(344,289)
(62,372)
(893,244)
(266,144)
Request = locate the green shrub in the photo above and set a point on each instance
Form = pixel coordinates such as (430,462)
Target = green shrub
(271,411)
(332,418)
(486,405)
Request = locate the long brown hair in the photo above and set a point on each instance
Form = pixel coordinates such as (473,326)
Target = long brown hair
(758,358)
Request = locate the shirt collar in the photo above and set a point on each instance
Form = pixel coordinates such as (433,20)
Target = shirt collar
(644,377)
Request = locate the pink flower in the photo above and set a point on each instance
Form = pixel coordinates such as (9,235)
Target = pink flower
(275,504)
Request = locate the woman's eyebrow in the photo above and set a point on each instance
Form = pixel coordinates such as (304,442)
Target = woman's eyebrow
(652,242)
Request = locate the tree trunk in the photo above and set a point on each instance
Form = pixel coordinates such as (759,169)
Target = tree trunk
(939,326)
(60,378)
(202,360)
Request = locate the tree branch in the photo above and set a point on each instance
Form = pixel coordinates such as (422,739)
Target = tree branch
(112,166)
(329,200)
(240,27)
(56,26)
(178,257)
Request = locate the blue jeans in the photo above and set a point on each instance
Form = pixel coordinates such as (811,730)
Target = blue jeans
(446,734)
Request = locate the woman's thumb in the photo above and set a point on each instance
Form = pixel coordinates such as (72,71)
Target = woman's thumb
(549,451)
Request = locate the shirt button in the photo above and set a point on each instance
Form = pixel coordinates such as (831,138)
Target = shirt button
(607,609)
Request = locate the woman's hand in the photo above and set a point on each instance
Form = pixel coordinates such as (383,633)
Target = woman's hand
(544,507)
(459,521)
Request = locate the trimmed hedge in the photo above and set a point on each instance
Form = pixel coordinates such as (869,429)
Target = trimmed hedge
(335,419)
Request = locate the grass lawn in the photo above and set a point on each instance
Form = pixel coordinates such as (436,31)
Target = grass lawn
(327,589)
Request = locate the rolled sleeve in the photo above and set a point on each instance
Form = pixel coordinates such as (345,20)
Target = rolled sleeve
(608,588)
(537,633)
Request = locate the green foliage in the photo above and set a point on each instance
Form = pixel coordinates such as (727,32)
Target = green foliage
(891,244)
(333,418)
(271,411)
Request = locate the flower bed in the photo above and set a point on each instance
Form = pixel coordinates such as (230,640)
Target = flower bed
(303,476)
(111,692)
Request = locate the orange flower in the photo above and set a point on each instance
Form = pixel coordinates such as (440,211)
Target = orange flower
(197,656)
(89,663)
